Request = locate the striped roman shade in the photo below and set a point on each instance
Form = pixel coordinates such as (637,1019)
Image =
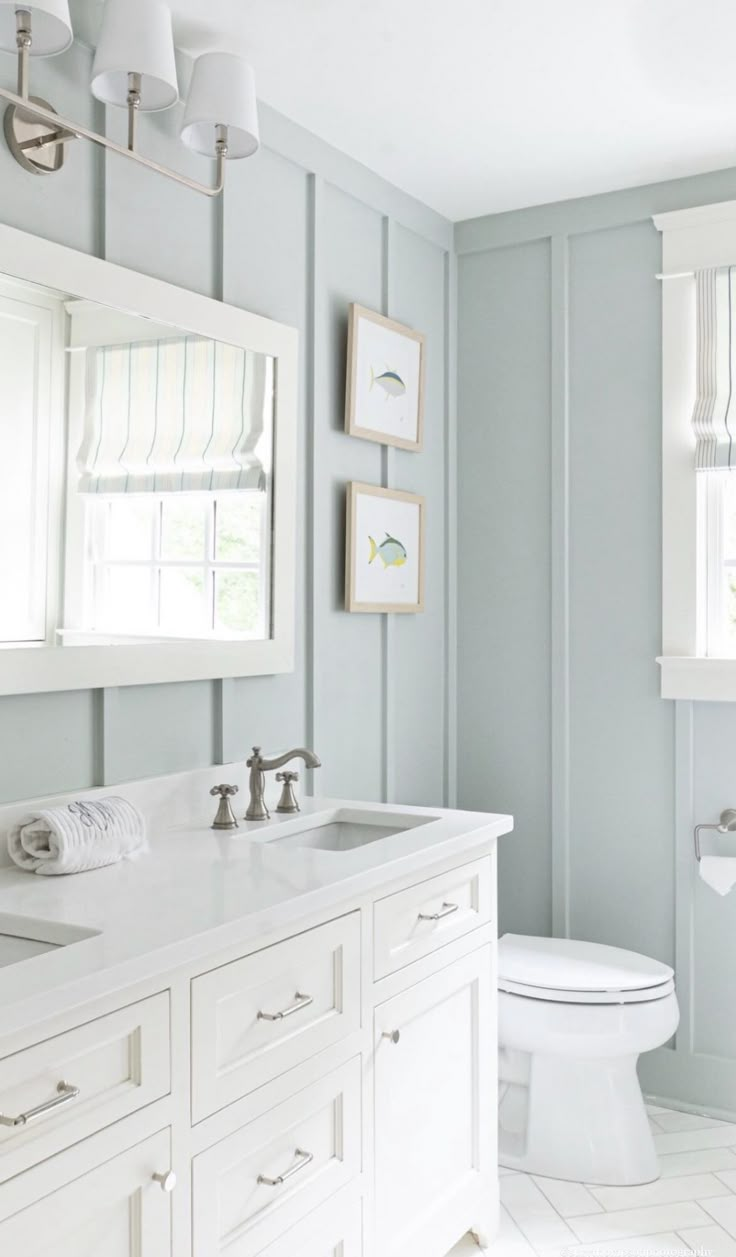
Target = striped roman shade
(174,415)
(714,415)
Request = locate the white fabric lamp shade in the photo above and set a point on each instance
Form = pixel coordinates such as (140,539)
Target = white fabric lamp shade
(222,93)
(136,38)
(51,26)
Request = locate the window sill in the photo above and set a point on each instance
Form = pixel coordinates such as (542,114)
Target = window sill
(93,637)
(698,678)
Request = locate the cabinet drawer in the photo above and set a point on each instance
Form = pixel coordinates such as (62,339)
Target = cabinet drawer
(257,1183)
(74,1084)
(333,1230)
(117,1209)
(414,922)
(255,1018)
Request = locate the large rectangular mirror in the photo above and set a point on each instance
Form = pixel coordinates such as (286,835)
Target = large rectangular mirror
(147,478)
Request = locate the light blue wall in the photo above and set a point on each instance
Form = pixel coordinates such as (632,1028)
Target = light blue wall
(303,231)
(559,420)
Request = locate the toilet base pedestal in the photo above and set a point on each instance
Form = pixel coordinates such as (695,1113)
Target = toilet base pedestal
(577,1119)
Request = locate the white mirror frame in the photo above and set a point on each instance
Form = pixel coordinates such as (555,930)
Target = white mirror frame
(35,668)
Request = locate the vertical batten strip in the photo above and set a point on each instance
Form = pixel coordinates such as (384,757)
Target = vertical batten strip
(387,478)
(683,858)
(560,581)
(222,720)
(100,168)
(107,721)
(218,249)
(315,406)
(223,691)
(451,533)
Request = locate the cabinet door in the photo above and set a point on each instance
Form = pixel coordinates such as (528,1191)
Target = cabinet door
(434,1053)
(117,1210)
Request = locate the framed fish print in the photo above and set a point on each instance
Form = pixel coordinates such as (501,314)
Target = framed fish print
(384,569)
(385,385)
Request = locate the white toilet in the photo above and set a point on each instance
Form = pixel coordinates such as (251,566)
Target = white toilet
(572,1020)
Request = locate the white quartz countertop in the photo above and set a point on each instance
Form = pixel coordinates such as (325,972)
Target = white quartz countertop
(199,891)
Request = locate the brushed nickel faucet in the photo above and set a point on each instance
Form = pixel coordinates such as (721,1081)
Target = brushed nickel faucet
(257,810)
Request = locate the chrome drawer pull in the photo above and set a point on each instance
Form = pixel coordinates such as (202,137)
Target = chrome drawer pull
(66,1093)
(302,1001)
(302,1163)
(446,911)
(393,1035)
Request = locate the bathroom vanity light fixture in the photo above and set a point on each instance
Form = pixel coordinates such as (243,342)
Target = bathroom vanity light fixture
(134,68)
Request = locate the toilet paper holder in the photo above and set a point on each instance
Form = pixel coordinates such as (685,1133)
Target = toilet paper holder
(725,825)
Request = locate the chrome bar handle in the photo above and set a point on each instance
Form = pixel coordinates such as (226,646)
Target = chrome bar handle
(304,1160)
(302,1001)
(446,911)
(66,1093)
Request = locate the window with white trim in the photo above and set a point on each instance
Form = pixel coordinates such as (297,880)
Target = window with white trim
(717,557)
(699,452)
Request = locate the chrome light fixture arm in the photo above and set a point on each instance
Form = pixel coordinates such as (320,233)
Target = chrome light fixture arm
(222,87)
(61,130)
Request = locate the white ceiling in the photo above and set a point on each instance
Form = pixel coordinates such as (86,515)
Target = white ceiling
(476,106)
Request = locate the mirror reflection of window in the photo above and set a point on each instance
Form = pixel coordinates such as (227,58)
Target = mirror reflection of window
(174,473)
(155,523)
(187,564)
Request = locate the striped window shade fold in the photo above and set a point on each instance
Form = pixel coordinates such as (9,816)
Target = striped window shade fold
(175,415)
(714,413)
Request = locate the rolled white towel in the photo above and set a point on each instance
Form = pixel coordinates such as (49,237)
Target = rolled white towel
(83,835)
(719,872)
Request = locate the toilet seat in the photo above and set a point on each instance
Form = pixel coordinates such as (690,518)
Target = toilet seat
(568,971)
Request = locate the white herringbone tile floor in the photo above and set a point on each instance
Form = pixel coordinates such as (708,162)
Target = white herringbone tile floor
(691,1208)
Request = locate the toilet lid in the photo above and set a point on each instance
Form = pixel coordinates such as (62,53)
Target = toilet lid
(564,968)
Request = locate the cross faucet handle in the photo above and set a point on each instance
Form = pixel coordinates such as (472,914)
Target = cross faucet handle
(288,801)
(225,818)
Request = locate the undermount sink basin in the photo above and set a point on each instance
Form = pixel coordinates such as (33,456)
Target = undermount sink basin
(22,938)
(347,830)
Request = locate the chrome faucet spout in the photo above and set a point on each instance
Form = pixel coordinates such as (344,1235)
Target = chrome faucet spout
(310,759)
(257,810)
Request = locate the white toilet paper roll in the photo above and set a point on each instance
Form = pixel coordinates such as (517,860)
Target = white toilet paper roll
(719,872)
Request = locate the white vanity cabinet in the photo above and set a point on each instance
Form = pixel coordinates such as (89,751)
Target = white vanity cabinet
(116,1210)
(327,1090)
(433,1081)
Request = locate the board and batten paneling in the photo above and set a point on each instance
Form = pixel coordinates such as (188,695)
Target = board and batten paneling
(504,348)
(559,718)
(303,230)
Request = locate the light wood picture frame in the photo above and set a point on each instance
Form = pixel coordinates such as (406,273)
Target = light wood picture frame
(384,399)
(385,550)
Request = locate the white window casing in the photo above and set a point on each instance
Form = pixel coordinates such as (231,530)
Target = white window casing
(694,242)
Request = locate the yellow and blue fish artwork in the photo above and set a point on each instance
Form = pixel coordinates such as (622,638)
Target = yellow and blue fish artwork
(391,552)
(390,381)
